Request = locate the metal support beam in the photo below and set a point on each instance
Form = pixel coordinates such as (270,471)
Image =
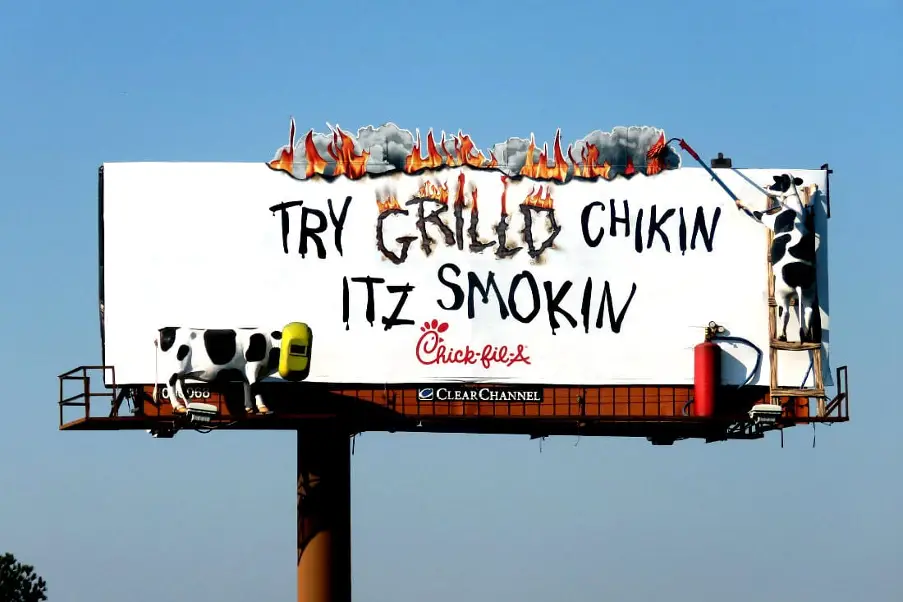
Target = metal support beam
(324,514)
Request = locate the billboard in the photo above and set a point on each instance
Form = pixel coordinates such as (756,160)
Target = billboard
(414,259)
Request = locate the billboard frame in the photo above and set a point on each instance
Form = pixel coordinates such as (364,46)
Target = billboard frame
(327,417)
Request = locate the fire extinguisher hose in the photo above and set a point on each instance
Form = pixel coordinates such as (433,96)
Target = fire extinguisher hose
(743,341)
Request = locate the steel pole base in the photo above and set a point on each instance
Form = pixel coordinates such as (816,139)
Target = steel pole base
(324,515)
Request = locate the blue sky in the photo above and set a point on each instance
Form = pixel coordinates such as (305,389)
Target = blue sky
(109,516)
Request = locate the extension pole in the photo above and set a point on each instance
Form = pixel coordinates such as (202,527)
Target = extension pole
(708,169)
(324,514)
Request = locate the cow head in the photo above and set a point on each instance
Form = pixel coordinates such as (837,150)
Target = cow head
(784,183)
(782,187)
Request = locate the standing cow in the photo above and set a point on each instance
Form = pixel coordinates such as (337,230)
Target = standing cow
(793,252)
(249,354)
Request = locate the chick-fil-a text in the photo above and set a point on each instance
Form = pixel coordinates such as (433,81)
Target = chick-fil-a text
(431,349)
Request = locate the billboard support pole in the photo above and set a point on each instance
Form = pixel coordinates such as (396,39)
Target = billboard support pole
(324,514)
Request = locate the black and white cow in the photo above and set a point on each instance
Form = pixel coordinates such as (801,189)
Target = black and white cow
(246,354)
(793,251)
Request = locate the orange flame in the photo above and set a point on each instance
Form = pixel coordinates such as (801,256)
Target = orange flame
(629,168)
(453,159)
(655,160)
(414,162)
(537,199)
(428,190)
(539,164)
(342,150)
(315,163)
(541,169)
(460,195)
(468,153)
(390,202)
(464,152)
(589,168)
(286,157)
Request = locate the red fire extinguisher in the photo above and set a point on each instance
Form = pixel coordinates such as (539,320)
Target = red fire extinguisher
(707,373)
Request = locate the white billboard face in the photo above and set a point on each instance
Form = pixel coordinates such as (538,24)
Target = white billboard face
(452,274)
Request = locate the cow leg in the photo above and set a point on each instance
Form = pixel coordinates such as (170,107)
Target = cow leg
(252,374)
(800,315)
(259,400)
(180,391)
(175,390)
(246,389)
(180,387)
(784,312)
(807,302)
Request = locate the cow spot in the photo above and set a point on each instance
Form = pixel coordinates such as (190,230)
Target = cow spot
(784,221)
(799,275)
(257,348)
(273,359)
(277,335)
(783,183)
(779,243)
(182,353)
(220,345)
(805,249)
(167,337)
(229,375)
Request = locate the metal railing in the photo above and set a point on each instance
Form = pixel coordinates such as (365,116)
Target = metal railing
(85,393)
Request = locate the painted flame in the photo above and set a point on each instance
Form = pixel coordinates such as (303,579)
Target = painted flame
(428,190)
(388,203)
(588,167)
(342,150)
(286,155)
(537,199)
(542,169)
(582,161)
(655,159)
(414,162)
(629,168)
(315,164)
(348,162)
(464,152)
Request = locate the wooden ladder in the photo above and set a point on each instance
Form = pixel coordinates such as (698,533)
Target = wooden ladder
(791,395)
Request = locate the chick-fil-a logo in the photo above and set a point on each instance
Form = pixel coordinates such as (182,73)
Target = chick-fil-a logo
(431,349)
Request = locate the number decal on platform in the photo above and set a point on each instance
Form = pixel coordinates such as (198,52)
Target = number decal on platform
(190,393)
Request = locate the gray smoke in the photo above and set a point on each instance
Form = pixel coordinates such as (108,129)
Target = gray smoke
(512,154)
(622,142)
(390,145)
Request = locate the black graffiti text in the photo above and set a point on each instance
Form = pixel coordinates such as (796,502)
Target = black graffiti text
(607,308)
(312,224)
(430,219)
(656,229)
(370,311)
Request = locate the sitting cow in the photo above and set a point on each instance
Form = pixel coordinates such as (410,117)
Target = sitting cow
(249,354)
(793,252)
